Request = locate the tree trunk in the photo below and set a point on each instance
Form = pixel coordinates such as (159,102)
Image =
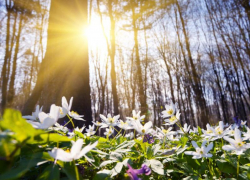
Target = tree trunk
(65,68)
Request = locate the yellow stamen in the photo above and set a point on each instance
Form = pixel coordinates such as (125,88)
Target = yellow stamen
(170,111)
(172,119)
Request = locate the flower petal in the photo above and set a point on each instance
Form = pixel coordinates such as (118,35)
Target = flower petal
(86,149)
(228,148)
(195,144)
(61,155)
(76,148)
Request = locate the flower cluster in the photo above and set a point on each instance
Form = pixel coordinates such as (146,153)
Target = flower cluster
(172,150)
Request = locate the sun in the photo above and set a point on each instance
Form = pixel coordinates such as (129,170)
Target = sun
(95,35)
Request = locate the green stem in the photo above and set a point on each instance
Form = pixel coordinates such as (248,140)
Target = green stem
(238,167)
(124,133)
(71,121)
(76,170)
(115,129)
(96,129)
(66,123)
(210,167)
(116,135)
(163,145)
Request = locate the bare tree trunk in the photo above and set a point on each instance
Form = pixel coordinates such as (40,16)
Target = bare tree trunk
(11,92)
(138,66)
(65,73)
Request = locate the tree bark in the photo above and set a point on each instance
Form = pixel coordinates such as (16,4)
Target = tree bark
(65,69)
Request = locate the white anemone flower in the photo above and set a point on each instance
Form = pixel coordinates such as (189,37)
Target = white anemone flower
(65,109)
(90,131)
(174,138)
(173,119)
(130,135)
(194,130)
(136,116)
(47,120)
(109,131)
(59,127)
(76,116)
(170,110)
(209,132)
(97,123)
(109,121)
(236,144)
(246,134)
(76,151)
(124,125)
(76,130)
(142,129)
(185,129)
(34,116)
(243,123)
(219,131)
(166,132)
(200,151)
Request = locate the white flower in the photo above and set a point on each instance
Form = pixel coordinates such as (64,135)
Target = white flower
(142,129)
(34,115)
(165,132)
(243,123)
(209,132)
(65,109)
(59,127)
(136,116)
(173,119)
(76,116)
(170,110)
(109,121)
(236,144)
(194,130)
(185,129)
(200,151)
(246,134)
(109,131)
(231,129)
(47,120)
(130,135)
(173,138)
(76,130)
(97,123)
(90,131)
(124,125)
(218,132)
(76,151)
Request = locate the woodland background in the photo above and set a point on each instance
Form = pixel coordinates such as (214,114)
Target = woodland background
(141,54)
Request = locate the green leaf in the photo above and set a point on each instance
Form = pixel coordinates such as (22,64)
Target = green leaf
(13,121)
(183,141)
(248,173)
(102,174)
(199,130)
(70,169)
(150,153)
(20,169)
(49,137)
(226,167)
(7,147)
(192,178)
(51,172)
